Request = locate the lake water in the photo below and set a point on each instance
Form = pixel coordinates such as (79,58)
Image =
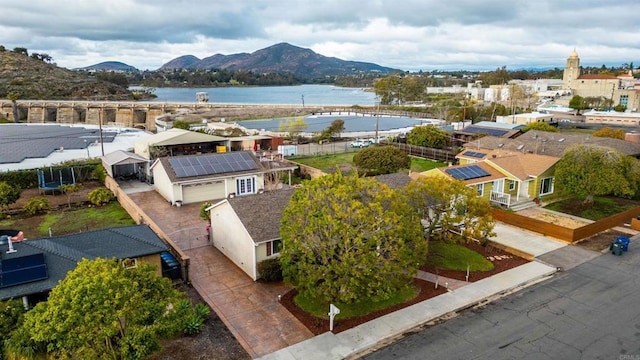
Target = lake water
(271,95)
(295,95)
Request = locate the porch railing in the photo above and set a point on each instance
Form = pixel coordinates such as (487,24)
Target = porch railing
(500,198)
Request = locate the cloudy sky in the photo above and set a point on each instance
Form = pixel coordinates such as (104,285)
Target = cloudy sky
(405,34)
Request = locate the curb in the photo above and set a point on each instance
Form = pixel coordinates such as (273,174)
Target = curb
(426,323)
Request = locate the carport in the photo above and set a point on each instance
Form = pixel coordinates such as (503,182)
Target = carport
(125,165)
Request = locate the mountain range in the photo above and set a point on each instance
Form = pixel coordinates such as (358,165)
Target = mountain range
(278,58)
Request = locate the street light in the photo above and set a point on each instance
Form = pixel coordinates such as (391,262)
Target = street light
(87,147)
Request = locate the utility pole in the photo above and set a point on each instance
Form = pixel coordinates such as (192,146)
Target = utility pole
(377,120)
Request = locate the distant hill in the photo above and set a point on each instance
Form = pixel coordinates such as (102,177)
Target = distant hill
(110,66)
(279,58)
(35,79)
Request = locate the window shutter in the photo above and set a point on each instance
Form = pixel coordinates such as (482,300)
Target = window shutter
(269,248)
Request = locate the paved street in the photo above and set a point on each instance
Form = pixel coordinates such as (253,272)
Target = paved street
(588,312)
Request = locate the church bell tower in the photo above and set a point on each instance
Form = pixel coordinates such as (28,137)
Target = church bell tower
(571,71)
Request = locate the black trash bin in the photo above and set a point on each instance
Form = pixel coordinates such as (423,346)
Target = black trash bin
(616,248)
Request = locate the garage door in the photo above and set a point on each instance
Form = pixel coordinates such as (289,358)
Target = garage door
(194,193)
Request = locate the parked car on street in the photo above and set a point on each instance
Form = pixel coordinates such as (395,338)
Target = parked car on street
(360,143)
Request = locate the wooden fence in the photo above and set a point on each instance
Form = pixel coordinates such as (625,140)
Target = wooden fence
(140,217)
(562,233)
(426,153)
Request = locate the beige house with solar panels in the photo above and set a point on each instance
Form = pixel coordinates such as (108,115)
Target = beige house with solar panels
(508,178)
(198,178)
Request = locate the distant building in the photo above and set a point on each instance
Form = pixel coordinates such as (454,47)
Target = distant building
(525,119)
(612,118)
(623,90)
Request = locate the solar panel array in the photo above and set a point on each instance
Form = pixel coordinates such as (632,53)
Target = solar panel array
(23,270)
(474,154)
(19,142)
(212,164)
(467,172)
(481,130)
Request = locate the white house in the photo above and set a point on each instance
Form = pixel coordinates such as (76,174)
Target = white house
(199,178)
(247,229)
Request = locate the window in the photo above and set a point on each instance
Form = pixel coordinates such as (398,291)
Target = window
(624,100)
(274,247)
(480,188)
(546,186)
(512,185)
(130,263)
(245,185)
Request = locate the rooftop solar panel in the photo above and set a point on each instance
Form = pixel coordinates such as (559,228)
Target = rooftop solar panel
(474,154)
(212,164)
(467,172)
(481,130)
(19,142)
(23,270)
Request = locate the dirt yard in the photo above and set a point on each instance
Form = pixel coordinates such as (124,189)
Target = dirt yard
(552,217)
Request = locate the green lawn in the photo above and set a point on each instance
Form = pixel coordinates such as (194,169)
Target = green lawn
(325,162)
(329,162)
(601,208)
(448,256)
(70,221)
(319,309)
(420,164)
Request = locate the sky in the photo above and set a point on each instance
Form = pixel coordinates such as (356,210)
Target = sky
(410,35)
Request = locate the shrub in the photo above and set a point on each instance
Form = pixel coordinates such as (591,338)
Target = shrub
(204,214)
(36,205)
(8,194)
(270,269)
(99,173)
(100,196)
(192,325)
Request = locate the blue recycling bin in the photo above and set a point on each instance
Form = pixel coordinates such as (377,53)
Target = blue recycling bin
(624,242)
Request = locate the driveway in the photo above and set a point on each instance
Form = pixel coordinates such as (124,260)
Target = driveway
(250,309)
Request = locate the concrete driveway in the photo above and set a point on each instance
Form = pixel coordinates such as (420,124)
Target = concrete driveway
(250,309)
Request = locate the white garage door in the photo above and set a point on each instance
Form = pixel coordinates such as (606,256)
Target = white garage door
(194,193)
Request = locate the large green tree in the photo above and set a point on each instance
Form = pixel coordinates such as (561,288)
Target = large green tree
(101,310)
(578,103)
(293,127)
(347,239)
(450,210)
(428,136)
(590,170)
(378,160)
(334,129)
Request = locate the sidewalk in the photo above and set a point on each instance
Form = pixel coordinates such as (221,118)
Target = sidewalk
(357,340)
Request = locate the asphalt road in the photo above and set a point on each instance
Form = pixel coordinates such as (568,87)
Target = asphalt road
(589,312)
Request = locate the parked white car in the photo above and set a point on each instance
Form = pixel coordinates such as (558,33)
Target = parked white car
(360,143)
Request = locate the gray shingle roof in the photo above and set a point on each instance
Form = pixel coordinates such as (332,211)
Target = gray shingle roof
(261,213)
(62,253)
(394,181)
(552,144)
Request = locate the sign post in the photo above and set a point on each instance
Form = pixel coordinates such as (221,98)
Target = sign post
(333,311)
